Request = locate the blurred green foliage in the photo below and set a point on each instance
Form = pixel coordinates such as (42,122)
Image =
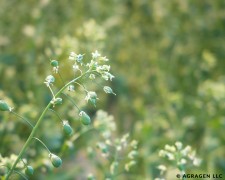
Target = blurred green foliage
(168,58)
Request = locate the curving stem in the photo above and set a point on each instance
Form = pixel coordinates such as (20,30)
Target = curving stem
(35,128)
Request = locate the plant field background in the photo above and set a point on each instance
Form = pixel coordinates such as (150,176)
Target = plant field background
(168,59)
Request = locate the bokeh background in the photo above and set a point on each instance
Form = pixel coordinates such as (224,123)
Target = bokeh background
(169,61)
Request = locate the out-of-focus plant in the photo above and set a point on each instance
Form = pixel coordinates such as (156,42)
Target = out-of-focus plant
(179,157)
(118,155)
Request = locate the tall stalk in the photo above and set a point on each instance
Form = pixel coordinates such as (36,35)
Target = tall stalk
(28,141)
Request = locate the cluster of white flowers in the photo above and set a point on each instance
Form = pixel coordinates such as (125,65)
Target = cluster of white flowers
(113,148)
(182,156)
(97,64)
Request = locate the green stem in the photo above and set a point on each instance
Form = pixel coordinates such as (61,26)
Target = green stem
(61,78)
(27,143)
(20,174)
(72,101)
(57,114)
(43,144)
(22,118)
(51,91)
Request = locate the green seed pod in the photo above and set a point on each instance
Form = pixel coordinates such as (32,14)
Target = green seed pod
(108,90)
(85,119)
(67,129)
(56,161)
(4,106)
(54,63)
(29,170)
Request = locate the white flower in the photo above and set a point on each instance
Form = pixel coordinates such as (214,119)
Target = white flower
(72,56)
(182,161)
(170,156)
(104,59)
(79,58)
(71,88)
(95,54)
(132,154)
(92,76)
(105,67)
(170,148)
(178,145)
(196,161)
(49,80)
(186,150)
(162,168)
(55,69)
(107,76)
(162,153)
(75,67)
(134,144)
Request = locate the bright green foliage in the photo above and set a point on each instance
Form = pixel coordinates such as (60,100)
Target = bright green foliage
(168,60)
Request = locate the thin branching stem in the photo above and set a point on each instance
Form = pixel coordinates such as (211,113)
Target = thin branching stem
(72,101)
(42,144)
(82,86)
(22,118)
(51,91)
(27,143)
(20,174)
(57,114)
(60,76)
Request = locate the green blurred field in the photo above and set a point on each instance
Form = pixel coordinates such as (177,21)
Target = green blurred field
(168,59)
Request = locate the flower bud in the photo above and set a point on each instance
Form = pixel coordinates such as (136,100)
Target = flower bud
(54,63)
(67,129)
(85,119)
(29,170)
(56,161)
(4,106)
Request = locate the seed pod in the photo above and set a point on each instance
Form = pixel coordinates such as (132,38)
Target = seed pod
(67,129)
(56,161)
(54,63)
(29,170)
(4,106)
(85,119)
(108,90)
